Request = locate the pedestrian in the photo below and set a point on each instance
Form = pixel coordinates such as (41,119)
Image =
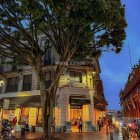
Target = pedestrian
(99,122)
(14,121)
(80,125)
(134,125)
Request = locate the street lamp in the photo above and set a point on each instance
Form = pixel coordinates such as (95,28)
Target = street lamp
(1,83)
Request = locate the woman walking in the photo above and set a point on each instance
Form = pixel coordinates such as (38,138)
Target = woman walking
(80,125)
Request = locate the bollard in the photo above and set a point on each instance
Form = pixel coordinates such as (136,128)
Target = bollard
(111,135)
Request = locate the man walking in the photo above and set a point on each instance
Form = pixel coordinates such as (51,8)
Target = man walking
(99,122)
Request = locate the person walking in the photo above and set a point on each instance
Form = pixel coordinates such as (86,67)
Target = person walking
(99,124)
(14,121)
(80,125)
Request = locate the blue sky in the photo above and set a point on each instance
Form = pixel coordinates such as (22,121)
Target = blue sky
(115,68)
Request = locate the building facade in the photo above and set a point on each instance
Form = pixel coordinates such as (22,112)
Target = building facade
(130,96)
(79,94)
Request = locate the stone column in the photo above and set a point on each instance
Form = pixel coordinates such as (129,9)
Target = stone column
(91,106)
(86,118)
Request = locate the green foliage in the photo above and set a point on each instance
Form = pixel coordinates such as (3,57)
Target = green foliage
(68,24)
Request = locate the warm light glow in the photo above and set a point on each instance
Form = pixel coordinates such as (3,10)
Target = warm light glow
(17,113)
(0,114)
(22,94)
(1,82)
(129,125)
(69,112)
(32,116)
(94,73)
(57,116)
(85,113)
(98,114)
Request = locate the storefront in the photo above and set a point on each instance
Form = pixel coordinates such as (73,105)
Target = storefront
(26,109)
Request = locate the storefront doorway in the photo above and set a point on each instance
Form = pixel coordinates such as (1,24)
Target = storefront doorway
(75,115)
(76,110)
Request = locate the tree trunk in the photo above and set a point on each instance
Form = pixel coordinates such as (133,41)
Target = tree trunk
(47,104)
(47,110)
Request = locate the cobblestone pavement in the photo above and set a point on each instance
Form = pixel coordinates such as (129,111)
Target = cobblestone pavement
(98,135)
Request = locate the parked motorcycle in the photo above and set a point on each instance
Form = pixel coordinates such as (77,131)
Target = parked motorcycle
(7,132)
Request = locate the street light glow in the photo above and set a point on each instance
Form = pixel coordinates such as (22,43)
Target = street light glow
(1,83)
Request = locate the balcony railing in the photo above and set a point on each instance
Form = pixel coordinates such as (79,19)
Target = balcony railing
(11,88)
(77,84)
(27,87)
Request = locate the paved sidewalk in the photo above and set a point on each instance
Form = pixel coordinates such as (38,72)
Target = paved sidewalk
(98,135)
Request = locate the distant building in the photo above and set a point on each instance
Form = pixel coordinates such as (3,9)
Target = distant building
(130,96)
(80,93)
(114,115)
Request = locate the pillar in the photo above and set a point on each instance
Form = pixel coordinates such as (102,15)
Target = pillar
(85,114)
(91,108)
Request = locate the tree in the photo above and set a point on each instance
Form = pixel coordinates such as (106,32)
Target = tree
(71,27)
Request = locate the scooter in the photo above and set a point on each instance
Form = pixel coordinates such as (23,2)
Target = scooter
(7,132)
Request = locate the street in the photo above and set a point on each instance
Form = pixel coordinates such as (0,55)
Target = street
(98,135)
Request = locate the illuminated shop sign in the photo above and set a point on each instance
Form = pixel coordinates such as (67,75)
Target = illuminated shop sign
(79,101)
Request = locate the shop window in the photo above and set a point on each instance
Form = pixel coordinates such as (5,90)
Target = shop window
(12,84)
(33,116)
(27,83)
(8,114)
(76,76)
(24,117)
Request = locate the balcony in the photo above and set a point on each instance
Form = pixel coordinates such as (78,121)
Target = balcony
(77,84)
(11,88)
(27,87)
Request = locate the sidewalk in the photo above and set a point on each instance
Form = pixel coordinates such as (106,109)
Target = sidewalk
(98,135)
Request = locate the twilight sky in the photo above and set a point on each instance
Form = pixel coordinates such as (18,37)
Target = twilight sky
(115,68)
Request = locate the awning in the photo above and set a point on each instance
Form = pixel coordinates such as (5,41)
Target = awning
(26,101)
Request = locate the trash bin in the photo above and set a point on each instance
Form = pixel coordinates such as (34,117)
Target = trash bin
(22,131)
(33,129)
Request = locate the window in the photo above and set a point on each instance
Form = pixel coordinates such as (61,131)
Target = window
(2,60)
(12,84)
(76,76)
(48,79)
(48,76)
(27,83)
(24,117)
(0,89)
(47,57)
